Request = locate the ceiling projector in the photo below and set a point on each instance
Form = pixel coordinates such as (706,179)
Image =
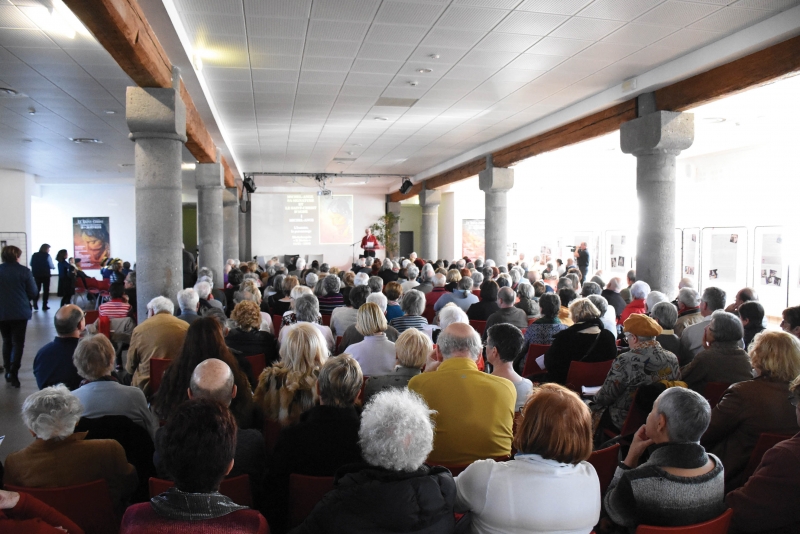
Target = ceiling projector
(324,193)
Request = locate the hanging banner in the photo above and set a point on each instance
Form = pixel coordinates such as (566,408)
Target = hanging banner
(473,238)
(91,240)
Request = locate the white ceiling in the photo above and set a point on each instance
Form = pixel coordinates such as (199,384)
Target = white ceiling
(295,81)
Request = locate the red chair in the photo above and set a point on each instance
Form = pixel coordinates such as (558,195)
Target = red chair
(719,525)
(91,316)
(237,488)
(326,319)
(714,391)
(276,323)
(476,292)
(142,519)
(304,494)
(158,367)
(605,462)
(531,367)
(360,397)
(587,374)
(765,442)
(88,505)
(479,326)
(258,362)
(531,320)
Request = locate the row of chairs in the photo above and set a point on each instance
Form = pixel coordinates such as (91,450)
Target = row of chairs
(158,366)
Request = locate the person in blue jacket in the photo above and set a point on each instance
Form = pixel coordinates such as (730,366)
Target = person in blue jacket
(17,290)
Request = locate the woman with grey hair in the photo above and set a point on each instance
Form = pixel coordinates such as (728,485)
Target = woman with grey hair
(393,490)
(639,291)
(721,360)
(319,289)
(680,484)
(527,300)
(332,297)
(58,457)
(607,315)
(412,271)
(461,296)
(413,304)
(666,315)
(306,309)
(101,393)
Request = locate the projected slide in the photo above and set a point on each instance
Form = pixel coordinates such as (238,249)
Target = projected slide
(309,219)
(300,218)
(336,220)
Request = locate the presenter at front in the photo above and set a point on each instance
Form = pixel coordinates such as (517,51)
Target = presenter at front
(369,243)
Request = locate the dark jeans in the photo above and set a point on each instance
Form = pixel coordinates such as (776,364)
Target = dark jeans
(13,333)
(368,253)
(42,282)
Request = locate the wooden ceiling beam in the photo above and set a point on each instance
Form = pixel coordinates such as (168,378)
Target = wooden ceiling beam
(122,29)
(397,196)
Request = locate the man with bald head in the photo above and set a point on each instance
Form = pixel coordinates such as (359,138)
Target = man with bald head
(744,295)
(474,410)
(508,313)
(53,363)
(213,379)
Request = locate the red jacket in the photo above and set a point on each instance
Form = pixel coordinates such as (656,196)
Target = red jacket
(433,296)
(636,306)
(32,516)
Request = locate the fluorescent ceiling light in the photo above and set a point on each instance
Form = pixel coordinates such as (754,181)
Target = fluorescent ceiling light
(55,17)
(188,166)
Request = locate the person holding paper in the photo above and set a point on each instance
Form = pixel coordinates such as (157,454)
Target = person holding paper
(369,243)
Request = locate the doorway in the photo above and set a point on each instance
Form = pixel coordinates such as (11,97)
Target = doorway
(406,243)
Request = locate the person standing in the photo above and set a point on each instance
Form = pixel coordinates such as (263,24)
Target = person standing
(41,265)
(582,259)
(66,278)
(17,289)
(369,243)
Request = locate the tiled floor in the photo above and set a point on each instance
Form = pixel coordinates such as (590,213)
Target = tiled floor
(40,332)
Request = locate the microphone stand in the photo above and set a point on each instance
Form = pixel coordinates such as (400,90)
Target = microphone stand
(354,250)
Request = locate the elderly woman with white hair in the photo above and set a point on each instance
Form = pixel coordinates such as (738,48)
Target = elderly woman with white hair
(306,310)
(639,291)
(666,314)
(412,272)
(527,300)
(461,296)
(412,351)
(394,490)
(58,457)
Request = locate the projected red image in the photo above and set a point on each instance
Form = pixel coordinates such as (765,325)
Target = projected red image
(336,219)
(91,241)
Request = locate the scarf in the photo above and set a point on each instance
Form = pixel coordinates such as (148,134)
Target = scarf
(687,455)
(181,506)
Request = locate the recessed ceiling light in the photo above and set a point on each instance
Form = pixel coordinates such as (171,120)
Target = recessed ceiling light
(31,111)
(714,120)
(84,140)
(413,84)
(381,119)
(357,144)
(188,166)
(340,162)
(351,153)
(424,71)
(434,56)
(109,112)
(7,91)
(123,165)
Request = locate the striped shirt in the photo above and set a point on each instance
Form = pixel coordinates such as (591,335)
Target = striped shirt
(330,302)
(401,324)
(115,309)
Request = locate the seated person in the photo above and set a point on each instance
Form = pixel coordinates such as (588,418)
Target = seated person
(332,298)
(528,301)
(394,490)
(475,411)
(344,317)
(680,484)
(21,513)
(306,308)
(566,295)
(721,360)
(607,316)
(666,314)
(393,292)
(375,354)
(508,313)
(480,311)
(503,344)
(585,341)
(246,339)
(644,364)
(548,486)
(752,316)
(544,329)
(198,448)
(325,439)
(413,305)
(462,296)
(189,303)
(639,291)
(768,501)
(59,458)
(412,351)
(102,394)
(213,379)
(117,307)
(53,363)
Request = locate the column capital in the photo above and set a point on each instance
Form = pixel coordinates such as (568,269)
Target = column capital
(209,176)
(394,207)
(661,131)
(230,197)
(429,197)
(155,113)
(496,179)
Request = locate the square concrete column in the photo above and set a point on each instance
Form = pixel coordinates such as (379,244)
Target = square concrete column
(394,208)
(230,223)
(244,236)
(430,199)
(495,182)
(656,139)
(157,121)
(210,178)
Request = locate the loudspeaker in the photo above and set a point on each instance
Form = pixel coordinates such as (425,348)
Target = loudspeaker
(406,186)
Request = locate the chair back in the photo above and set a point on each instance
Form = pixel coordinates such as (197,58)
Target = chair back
(605,463)
(277,320)
(92,316)
(158,366)
(304,493)
(88,505)
(235,488)
(531,367)
(634,420)
(718,525)
(587,374)
(142,519)
(360,398)
(765,442)
(531,320)
(714,391)
(479,326)
(104,326)
(326,319)
(476,292)
(338,342)
(429,313)
(257,362)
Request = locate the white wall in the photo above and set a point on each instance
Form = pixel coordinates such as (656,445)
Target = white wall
(15,209)
(53,210)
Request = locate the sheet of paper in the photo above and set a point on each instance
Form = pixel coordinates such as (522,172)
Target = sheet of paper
(590,391)
(540,361)
(369,244)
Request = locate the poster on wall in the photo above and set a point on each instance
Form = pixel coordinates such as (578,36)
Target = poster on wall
(473,238)
(336,220)
(771,260)
(300,217)
(91,240)
(724,257)
(617,252)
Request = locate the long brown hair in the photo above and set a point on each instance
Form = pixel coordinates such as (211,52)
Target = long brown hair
(204,340)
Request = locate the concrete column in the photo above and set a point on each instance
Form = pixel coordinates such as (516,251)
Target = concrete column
(395,208)
(157,121)
(429,200)
(230,223)
(495,183)
(210,179)
(244,239)
(656,138)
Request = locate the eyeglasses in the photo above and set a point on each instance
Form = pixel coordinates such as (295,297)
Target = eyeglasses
(793,401)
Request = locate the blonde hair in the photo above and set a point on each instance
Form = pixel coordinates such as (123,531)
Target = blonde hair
(249,285)
(340,381)
(289,283)
(453,276)
(582,310)
(413,348)
(247,315)
(776,354)
(349,278)
(370,320)
(303,353)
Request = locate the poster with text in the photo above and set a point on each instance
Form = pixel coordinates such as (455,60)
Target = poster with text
(336,220)
(771,260)
(300,218)
(724,261)
(91,240)
(473,238)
